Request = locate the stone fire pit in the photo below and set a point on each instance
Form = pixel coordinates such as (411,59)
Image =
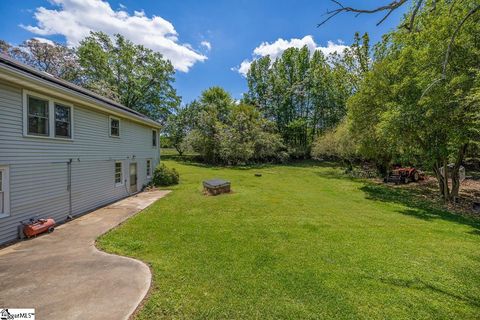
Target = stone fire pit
(216,186)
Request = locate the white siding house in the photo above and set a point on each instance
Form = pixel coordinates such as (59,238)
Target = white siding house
(64,150)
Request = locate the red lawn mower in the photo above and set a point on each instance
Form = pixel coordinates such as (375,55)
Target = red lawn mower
(404,175)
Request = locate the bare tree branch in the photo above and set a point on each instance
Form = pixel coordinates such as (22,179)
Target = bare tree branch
(385,17)
(392,6)
(414,14)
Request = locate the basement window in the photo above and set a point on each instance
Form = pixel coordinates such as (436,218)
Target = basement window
(149,168)
(118,174)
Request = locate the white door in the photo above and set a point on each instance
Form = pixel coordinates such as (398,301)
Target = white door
(133,177)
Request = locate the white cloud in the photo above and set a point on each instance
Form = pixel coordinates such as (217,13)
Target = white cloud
(74,19)
(43,40)
(275,50)
(243,67)
(207,45)
(333,47)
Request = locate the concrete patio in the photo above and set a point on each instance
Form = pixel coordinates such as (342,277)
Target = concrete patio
(63,276)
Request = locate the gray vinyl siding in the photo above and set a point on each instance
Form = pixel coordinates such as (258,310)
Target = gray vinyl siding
(39,171)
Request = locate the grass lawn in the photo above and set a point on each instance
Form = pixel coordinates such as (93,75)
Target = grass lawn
(301,242)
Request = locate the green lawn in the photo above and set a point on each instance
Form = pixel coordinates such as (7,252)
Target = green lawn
(300,242)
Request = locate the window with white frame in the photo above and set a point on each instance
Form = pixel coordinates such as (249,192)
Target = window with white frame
(4,191)
(114,127)
(149,168)
(118,173)
(46,117)
(63,121)
(154,138)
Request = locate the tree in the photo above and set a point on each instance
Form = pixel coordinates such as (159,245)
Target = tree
(418,7)
(214,107)
(246,137)
(54,58)
(304,93)
(365,110)
(217,100)
(135,76)
(180,123)
(223,131)
(5,47)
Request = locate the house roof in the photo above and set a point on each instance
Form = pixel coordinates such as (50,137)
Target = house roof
(9,64)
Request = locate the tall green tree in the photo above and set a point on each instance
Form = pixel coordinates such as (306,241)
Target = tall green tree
(224,131)
(131,74)
(304,93)
(214,107)
(180,123)
(246,136)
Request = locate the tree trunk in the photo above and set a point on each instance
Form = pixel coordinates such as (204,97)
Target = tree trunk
(179,150)
(456,171)
(436,170)
(446,189)
(447,194)
(442,179)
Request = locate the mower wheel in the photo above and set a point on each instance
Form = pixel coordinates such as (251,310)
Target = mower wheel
(406,180)
(51,229)
(416,176)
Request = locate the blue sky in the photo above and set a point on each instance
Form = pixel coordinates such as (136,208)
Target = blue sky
(232,28)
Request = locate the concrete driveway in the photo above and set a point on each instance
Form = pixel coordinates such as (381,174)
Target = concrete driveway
(63,276)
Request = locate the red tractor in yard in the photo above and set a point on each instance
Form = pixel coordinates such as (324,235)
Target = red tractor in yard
(404,175)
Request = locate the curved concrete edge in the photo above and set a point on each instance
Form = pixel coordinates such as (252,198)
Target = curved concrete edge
(145,269)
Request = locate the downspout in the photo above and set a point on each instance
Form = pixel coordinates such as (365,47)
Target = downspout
(69,188)
(127,178)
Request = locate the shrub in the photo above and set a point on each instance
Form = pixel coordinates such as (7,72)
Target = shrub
(163,176)
(335,143)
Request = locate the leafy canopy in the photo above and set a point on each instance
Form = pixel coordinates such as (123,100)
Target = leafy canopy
(304,93)
(136,76)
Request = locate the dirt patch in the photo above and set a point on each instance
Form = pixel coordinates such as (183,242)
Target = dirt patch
(427,190)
